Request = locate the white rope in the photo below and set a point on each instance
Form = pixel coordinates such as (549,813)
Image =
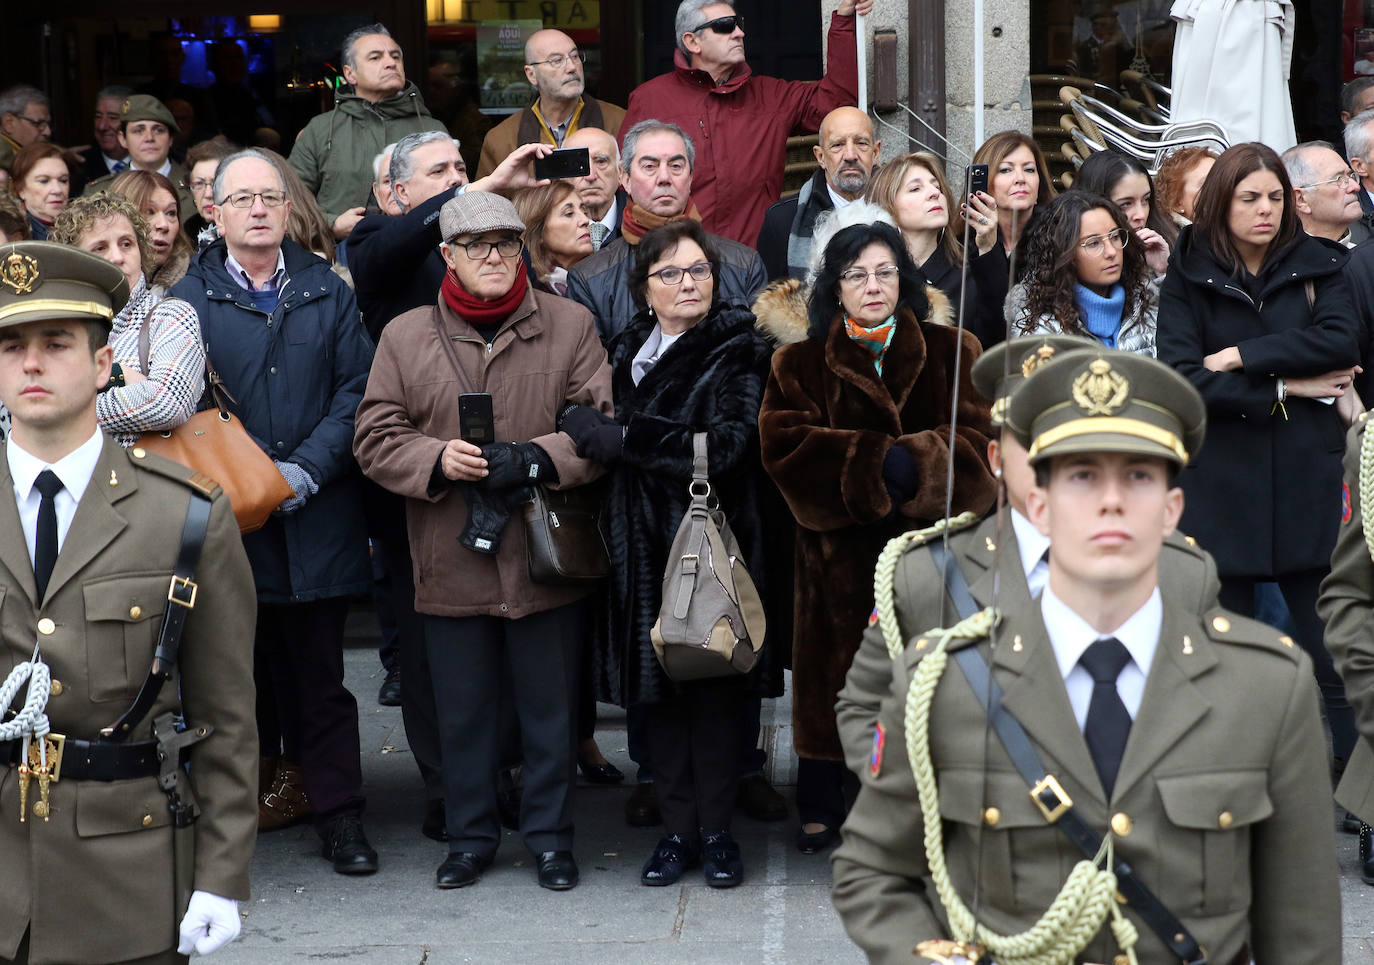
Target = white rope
(31,720)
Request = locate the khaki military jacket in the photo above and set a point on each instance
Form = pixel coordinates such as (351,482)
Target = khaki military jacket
(1346,605)
(95,881)
(1187,575)
(1222,802)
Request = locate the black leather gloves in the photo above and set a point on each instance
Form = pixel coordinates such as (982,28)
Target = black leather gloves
(603,444)
(579,421)
(511,464)
(900,475)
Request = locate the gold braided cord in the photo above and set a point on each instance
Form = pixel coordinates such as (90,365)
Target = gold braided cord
(1082,905)
(1367,486)
(884,595)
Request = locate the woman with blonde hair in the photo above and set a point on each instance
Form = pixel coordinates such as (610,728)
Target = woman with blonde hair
(914,191)
(557,232)
(156,199)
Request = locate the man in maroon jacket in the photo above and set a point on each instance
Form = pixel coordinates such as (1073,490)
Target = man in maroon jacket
(740,123)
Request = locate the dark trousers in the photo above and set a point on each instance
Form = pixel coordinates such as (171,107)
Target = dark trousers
(693,741)
(471,660)
(388,650)
(418,716)
(825,791)
(298,666)
(751,757)
(1300,591)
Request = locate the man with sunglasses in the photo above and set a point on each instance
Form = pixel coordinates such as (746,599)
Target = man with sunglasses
(740,122)
(553,66)
(25,117)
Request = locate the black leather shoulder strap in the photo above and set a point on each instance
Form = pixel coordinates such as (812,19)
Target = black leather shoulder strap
(181,600)
(1058,809)
(956,584)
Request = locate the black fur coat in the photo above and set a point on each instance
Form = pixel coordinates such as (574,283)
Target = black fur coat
(710,380)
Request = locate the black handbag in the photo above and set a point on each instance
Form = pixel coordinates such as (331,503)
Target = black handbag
(563,541)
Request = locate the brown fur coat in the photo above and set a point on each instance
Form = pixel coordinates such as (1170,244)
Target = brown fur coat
(826,424)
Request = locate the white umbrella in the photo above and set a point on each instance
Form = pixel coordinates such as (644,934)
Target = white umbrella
(1231,65)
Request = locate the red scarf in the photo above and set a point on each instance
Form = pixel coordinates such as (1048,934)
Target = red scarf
(479,311)
(637,221)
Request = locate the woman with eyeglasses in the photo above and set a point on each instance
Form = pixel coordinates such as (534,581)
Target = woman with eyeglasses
(686,363)
(156,199)
(1258,316)
(1126,183)
(1086,275)
(856,432)
(202,160)
(489,628)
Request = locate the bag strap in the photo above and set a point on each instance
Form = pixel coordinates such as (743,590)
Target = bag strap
(181,600)
(694,521)
(956,584)
(446,340)
(1058,809)
(699,464)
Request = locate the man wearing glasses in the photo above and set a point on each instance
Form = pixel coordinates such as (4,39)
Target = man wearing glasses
(740,122)
(553,66)
(1325,191)
(283,332)
(25,117)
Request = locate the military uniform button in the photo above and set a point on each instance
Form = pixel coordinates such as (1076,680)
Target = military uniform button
(1286,640)
(921,643)
(1121,824)
(1221,625)
(135,612)
(138,452)
(1225,820)
(147,820)
(991,816)
(47,627)
(55,688)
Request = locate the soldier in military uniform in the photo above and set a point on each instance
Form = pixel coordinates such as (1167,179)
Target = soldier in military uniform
(1346,605)
(1128,700)
(151,111)
(1009,552)
(90,535)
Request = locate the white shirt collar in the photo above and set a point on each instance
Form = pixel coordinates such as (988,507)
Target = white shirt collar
(1030,542)
(74,469)
(612,215)
(110,162)
(245,280)
(1070,634)
(838,200)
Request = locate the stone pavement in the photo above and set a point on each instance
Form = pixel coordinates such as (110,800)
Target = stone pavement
(302,912)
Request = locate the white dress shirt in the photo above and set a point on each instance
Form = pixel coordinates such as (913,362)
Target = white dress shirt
(837,199)
(612,217)
(1033,546)
(74,469)
(1070,635)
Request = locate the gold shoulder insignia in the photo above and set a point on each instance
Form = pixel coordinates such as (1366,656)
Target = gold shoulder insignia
(203,482)
(1223,626)
(166,468)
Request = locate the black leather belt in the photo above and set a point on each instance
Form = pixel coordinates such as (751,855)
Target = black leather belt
(96,760)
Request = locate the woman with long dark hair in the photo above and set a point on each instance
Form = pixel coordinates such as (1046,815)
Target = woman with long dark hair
(1086,275)
(1258,316)
(1126,183)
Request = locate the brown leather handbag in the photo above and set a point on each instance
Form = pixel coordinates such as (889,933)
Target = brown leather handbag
(215,443)
(562,538)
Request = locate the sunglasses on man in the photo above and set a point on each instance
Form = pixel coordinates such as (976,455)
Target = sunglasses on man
(722,25)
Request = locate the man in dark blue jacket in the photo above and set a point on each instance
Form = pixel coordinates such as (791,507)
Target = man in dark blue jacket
(283,332)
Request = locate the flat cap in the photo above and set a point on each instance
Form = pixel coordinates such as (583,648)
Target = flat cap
(1002,368)
(44,280)
(1108,401)
(146,107)
(474,212)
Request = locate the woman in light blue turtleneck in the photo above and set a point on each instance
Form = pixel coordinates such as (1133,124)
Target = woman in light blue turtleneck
(1086,275)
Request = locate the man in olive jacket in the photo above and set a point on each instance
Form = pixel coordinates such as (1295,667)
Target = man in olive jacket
(333,155)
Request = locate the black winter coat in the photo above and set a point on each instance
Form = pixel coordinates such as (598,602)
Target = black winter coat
(1264,493)
(711,380)
(395,262)
(297,378)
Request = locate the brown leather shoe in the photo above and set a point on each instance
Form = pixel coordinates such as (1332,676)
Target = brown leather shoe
(284,802)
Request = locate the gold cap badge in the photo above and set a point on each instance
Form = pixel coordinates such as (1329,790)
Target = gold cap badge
(1036,359)
(19,273)
(1100,391)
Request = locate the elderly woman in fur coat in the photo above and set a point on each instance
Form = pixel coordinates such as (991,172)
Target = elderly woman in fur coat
(688,363)
(855,430)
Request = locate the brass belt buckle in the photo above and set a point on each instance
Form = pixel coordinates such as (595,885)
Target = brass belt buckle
(1062,804)
(45,763)
(183,592)
(945,952)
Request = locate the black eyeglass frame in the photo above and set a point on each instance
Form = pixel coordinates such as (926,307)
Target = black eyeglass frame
(722,25)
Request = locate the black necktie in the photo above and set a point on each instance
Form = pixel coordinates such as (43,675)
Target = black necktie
(45,543)
(1108,724)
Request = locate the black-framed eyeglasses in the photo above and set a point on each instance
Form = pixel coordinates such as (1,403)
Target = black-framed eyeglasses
(556,61)
(672,275)
(722,25)
(1119,238)
(481,250)
(43,124)
(244,199)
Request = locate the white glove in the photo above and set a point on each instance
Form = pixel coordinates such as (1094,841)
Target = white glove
(210,923)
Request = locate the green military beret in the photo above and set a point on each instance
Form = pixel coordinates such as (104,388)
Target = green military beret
(1108,401)
(146,107)
(1006,365)
(44,280)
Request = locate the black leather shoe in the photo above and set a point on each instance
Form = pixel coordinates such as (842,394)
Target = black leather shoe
(641,807)
(757,798)
(810,842)
(435,824)
(390,694)
(673,855)
(346,845)
(606,773)
(461,869)
(557,870)
(720,860)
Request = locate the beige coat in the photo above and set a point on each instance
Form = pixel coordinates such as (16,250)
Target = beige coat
(95,881)
(1224,782)
(545,355)
(525,127)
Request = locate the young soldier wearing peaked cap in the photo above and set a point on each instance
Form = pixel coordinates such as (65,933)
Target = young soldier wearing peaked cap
(1007,552)
(1128,703)
(90,537)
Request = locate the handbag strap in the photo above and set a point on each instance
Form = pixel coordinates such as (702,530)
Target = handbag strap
(698,513)
(699,465)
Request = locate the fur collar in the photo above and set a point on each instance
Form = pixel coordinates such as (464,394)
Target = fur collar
(781,311)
